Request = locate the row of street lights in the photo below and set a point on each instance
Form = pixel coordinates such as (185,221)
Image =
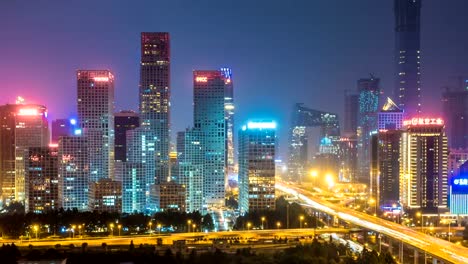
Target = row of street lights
(278,224)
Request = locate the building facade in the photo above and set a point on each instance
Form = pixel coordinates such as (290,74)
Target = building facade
(73,173)
(351,113)
(455,107)
(123,121)
(423,165)
(95,117)
(31,130)
(41,178)
(155,94)
(229,110)
(172,196)
(209,118)
(408,55)
(388,167)
(257,166)
(369,93)
(133,181)
(105,195)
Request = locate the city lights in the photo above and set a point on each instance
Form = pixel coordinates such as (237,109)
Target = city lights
(423,121)
(29,112)
(201,79)
(101,79)
(261,125)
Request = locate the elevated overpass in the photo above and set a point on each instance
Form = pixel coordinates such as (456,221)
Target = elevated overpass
(439,249)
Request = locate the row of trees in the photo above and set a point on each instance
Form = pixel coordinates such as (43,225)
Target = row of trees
(15,223)
(311,253)
(278,218)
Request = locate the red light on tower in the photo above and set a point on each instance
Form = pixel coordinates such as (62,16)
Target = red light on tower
(201,79)
(28,112)
(101,79)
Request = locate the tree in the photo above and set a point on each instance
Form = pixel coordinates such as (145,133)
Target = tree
(207,222)
(465,233)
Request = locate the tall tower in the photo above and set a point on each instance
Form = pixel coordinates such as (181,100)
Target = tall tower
(229,117)
(95,116)
(455,107)
(257,166)
(423,165)
(155,95)
(369,92)
(31,130)
(123,121)
(209,118)
(408,55)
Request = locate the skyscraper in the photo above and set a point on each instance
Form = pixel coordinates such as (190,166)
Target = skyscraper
(73,176)
(209,118)
(123,121)
(455,107)
(155,93)
(408,55)
(31,130)
(105,195)
(133,181)
(369,93)
(95,116)
(423,165)
(388,151)
(390,116)
(351,113)
(229,117)
(7,150)
(257,166)
(41,177)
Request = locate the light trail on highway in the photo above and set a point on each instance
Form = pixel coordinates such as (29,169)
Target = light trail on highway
(438,248)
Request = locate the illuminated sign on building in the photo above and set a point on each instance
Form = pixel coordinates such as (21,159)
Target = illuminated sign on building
(459,184)
(423,121)
(201,79)
(260,125)
(28,112)
(101,79)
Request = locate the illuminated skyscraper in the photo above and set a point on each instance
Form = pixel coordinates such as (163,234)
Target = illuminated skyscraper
(369,92)
(257,166)
(390,116)
(95,116)
(351,113)
(229,117)
(105,195)
(209,118)
(123,121)
(32,130)
(133,181)
(191,145)
(407,55)
(41,177)
(423,165)
(73,176)
(155,93)
(7,151)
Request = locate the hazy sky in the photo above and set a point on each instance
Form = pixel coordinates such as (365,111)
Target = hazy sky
(281,52)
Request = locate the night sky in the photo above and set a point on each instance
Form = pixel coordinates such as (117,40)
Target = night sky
(281,52)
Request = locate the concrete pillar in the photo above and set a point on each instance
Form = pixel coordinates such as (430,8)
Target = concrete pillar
(390,246)
(434,260)
(400,251)
(416,256)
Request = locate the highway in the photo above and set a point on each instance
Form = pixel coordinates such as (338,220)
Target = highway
(168,239)
(438,248)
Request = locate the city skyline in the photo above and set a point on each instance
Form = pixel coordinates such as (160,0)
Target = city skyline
(307,35)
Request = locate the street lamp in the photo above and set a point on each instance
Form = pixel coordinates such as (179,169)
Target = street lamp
(112,228)
(189,222)
(119,226)
(150,224)
(374,203)
(248,226)
(193,228)
(301,218)
(329,180)
(159,229)
(314,175)
(419,214)
(35,227)
(278,225)
(79,230)
(449,222)
(263,220)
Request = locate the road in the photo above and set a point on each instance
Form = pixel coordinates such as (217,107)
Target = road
(168,239)
(438,248)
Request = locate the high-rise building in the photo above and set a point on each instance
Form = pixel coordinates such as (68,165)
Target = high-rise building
(41,177)
(388,172)
(155,93)
(390,116)
(105,195)
(209,118)
(31,130)
(257,166)
(7,151)
(369,92)
(123,121)
(351,113)
(73,176)
(141,149)
(408,55)
(423,165)
(455,107)
(133,181)
(63,128)
(347,153)
(95,117)
(459,191)
(171,196)
(456,158)
(191,145)
(229,117)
